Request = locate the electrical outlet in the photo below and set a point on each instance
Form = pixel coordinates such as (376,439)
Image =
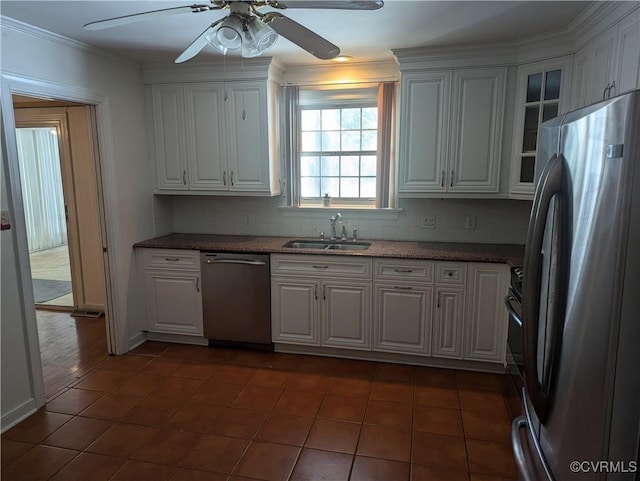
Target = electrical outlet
(247,218)
(470,222)
(428,222)
(5,221)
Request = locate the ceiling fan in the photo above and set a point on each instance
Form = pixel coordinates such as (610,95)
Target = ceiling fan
(248,29)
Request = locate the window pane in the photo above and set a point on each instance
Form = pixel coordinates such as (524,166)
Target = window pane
(331,141)
(330,186)
(527,169)
(370,118)
(330,166)
(549,111)
(530,136)
(552,85)
(310,141)
(369,140)
(368,165)
(309,166)
(367,187)
(310,120)
(310,186)
(350,140)
(350,166)
(534,87)
(331,119)
(351,119)
(349,187)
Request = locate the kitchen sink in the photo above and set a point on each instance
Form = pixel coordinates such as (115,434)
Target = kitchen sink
(328,245)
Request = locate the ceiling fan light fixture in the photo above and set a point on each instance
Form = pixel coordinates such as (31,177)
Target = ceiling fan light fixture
(261,33)
(229,33)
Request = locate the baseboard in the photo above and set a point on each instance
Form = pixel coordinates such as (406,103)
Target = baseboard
(136,340)
(18,414)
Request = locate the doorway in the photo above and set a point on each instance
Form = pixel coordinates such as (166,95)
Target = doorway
(39,159)
(57,160)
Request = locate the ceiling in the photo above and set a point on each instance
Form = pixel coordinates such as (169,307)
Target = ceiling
(365,35)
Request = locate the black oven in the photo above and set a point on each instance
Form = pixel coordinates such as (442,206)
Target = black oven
(515,362)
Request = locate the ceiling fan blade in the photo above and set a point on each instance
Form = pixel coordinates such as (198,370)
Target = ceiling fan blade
(139,17)
(332,4)
(302,36)
(197,45)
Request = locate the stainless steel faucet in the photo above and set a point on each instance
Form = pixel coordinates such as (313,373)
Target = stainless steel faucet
(333,219)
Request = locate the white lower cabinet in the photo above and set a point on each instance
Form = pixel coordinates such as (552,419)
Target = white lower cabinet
(451,310)
(172,287)
(402,318)
(486,315)
(448,322)
(332,308)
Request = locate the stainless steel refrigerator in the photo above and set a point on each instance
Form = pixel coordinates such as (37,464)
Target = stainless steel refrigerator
(581,299)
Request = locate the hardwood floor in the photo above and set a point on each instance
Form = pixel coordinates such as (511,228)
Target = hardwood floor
(70,347)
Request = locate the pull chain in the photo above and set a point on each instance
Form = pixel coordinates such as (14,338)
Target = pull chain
(244,110)
(224,76)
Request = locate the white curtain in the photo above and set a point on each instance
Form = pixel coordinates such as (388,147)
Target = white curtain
(41,181)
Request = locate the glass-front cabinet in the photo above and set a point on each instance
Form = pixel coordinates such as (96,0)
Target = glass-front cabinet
(542,94)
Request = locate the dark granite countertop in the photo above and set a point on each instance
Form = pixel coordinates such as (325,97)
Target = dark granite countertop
(442,251)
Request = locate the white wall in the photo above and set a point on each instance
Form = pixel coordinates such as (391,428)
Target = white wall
(497,221)
(38,62)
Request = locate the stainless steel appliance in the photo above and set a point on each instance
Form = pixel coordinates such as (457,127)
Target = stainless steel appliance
(514,381)
(581,299)
(236,299)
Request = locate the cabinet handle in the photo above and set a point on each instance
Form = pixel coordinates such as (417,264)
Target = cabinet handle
(403,288)
(403,270)
(172,259)
(184,177)
(324,292)
(442,179)
(604,92)
(320,267)
(438,303)
(613,86)
(224,178)
(451,182)
(232,178)
(198,284)
(315,291)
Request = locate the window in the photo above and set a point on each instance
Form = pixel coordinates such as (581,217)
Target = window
(338,152)
(338,143)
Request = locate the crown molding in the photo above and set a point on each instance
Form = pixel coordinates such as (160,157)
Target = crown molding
(229,69)
(37,32)
(336,73)
(485,55)
(597,18)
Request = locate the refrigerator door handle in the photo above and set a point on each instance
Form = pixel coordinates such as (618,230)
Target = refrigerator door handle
(550,184)
(518,425)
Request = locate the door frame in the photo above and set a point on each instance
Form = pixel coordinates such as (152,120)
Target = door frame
(58,120)
(13,84)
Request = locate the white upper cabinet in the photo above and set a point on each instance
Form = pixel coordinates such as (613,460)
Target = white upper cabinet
(424,131)
(450,131)
(215,137)
(610,64)
(543,91)
(169,132)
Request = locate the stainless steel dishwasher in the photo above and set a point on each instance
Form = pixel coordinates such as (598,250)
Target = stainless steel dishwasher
(236,299)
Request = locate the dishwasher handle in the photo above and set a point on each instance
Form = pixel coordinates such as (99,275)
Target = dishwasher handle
(235,261)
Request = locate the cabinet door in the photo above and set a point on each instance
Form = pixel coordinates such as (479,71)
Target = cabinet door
(402,318)
(628,77)
(294,311)
(346,309)
(485,312)
(247,134)
(476,136)
(174,302)
(206,150)
(424,132)
(447,323)
(170,136)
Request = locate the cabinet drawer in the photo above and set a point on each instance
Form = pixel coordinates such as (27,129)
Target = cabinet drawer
(403,269)
(451,273)
(320,266)
(172,259)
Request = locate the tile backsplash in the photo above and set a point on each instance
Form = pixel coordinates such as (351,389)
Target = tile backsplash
(496,221)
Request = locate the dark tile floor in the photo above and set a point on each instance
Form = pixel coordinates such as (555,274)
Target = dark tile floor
(177,412)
